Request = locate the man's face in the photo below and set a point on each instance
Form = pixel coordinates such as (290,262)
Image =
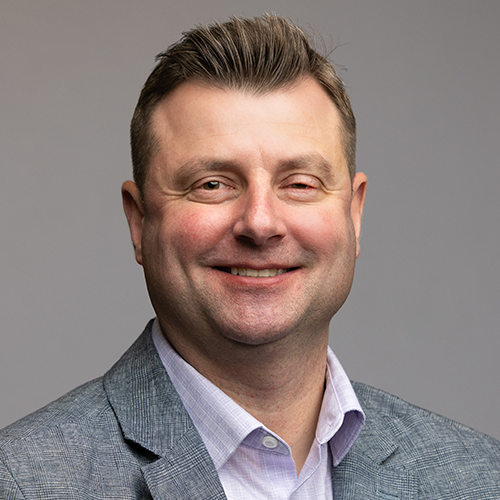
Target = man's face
(250,228)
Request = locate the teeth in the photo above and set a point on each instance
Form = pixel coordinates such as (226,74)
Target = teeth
(256,273)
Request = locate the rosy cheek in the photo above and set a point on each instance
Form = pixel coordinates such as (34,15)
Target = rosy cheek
(198,229)
(317,227)
(324,232)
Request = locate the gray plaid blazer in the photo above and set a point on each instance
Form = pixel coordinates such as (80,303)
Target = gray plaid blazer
(127,436)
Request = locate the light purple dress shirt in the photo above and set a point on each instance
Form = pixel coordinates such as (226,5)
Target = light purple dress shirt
(253,462)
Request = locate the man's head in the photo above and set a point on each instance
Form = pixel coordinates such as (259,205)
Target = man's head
(248,222)
(259,55)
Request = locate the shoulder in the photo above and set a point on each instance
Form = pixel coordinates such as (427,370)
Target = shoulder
(443,453)
(73,448)
(419,422)
(85,403)
(46,446)
(67,423)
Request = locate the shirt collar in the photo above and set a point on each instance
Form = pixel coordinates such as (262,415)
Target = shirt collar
(223,424)
(341,417)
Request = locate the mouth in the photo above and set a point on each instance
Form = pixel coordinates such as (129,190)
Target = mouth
(256,273)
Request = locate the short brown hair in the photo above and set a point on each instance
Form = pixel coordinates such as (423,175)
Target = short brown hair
(260,55)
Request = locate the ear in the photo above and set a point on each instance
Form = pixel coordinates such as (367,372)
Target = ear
(357,203)
(134,211)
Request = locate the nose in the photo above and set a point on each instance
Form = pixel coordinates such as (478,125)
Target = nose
(259,220)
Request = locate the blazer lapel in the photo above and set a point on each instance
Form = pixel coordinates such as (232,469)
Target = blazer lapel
(184,473)
(366,471)
(151,415)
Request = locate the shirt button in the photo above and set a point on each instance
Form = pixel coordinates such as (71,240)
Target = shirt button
(270,442)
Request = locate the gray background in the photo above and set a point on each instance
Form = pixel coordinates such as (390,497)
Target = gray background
(423,318)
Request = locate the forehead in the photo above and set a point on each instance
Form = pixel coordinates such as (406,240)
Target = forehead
(202,123)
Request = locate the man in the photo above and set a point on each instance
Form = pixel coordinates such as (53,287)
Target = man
(245,214)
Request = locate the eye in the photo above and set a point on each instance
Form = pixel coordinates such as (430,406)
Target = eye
(213,190)
(211,185)
(301,183)
(301,187)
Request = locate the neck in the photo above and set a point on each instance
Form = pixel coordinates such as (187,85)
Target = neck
(280,385)
(288,402)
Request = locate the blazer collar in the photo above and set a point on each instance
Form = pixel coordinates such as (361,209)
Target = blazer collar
(151,414)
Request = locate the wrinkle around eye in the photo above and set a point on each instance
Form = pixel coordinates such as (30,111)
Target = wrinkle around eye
(172,194)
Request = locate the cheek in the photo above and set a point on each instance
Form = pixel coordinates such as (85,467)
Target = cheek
(189,231)
(326,232)
(194,231)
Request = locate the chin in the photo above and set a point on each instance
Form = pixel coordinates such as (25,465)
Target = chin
(253,333)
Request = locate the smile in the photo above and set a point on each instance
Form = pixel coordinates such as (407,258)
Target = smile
(257,273)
